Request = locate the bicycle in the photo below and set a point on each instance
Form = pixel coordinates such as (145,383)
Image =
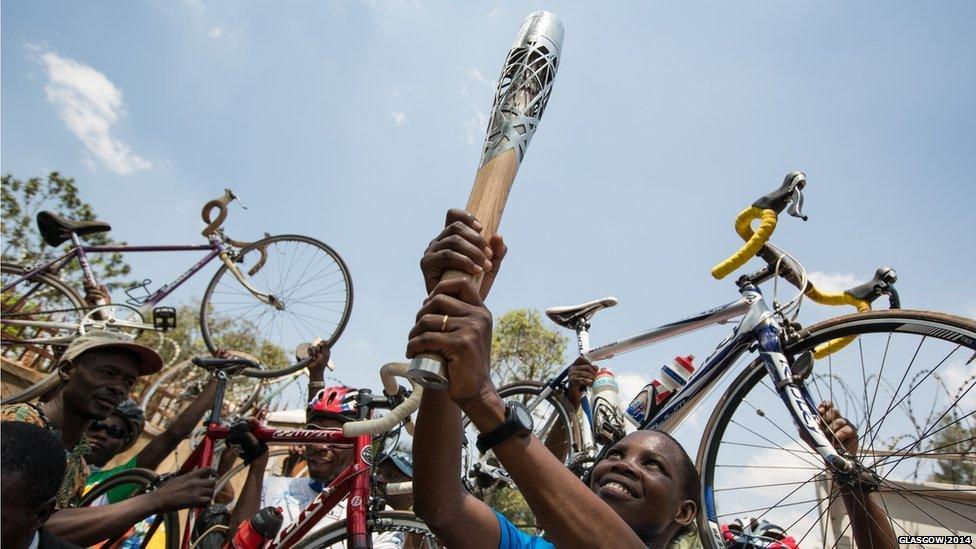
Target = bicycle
(269,295)
(744,440)
(356,483)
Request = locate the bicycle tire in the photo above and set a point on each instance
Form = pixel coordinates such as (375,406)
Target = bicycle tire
(300,330)
(492,491)
(384,521)
(54,295)
(923,326)
(142,478)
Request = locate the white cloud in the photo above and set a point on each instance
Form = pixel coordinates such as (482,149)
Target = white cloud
(215,32)
(361,345)
(89,104)
(833,282)
(399,117)
(494,13)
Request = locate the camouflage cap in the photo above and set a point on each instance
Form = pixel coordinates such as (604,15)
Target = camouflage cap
(149,360)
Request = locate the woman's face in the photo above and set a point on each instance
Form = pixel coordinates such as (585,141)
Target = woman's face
(641,479)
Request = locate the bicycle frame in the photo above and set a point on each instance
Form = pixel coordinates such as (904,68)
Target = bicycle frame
(353,482)
(215,248)
(758,327)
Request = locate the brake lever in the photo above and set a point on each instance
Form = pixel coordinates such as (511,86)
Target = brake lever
(796,204)
(233,196)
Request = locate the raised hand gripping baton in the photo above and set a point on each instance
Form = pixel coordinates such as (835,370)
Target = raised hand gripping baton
(521,97)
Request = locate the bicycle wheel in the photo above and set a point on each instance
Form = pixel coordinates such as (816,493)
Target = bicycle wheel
(40,298)
(906,383)
(313,289)
(403,524)
(555,423)
(126,484)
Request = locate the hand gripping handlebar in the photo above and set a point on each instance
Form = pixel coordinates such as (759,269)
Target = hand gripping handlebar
(388,373)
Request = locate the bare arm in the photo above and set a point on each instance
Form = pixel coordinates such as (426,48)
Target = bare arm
(565,507)
(250,500)
(454,515)
(178,430)
(870,524)
(320,354)
(90,525)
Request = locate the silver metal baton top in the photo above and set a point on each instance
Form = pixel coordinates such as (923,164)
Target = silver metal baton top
(524,86)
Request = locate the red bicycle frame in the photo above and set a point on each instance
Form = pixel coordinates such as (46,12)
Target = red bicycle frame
(353,482)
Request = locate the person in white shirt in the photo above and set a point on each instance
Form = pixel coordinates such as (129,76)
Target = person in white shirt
(328,409)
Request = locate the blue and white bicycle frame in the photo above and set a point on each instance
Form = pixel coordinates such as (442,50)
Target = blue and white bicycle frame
(758,329)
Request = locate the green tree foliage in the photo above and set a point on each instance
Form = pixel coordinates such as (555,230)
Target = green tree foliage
(955,436)
(22,243)
(522,347)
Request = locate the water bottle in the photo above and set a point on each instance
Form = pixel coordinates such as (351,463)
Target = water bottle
(606,402)
(255,531)
(649,400)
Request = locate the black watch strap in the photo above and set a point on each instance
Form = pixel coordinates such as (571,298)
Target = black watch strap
(518,422)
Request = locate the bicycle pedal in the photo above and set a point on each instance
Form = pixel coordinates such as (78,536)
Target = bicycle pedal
(164,318)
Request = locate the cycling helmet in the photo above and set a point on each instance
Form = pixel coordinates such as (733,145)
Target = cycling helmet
(134,420)
(756,535)
(338,402)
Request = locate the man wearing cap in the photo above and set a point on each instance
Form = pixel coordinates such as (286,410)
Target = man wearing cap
(395,467)
(97,371)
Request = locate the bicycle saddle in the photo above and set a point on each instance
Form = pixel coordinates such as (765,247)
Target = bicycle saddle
(568,316)
(56,229)
(223,363)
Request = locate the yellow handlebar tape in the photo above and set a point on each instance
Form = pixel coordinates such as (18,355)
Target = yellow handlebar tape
(754,240)
(841,298)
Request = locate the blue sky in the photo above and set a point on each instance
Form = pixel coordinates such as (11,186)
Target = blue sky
(360,123)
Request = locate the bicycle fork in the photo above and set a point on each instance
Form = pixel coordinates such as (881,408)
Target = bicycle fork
(796,396)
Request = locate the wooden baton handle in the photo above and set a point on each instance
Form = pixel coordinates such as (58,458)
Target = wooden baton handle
(492,185)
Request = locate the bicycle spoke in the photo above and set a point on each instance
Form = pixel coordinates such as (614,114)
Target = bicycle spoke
(771,442)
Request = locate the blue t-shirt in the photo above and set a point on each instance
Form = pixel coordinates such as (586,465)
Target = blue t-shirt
(513,538)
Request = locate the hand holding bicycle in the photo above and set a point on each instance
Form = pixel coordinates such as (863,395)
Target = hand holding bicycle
(581,375)
(319,355)
(193,489)
(841,432)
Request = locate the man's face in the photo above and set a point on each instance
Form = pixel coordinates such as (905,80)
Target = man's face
(106,438)
(640,478)
(17,518)
(388,473)
(98,380)
(325,462)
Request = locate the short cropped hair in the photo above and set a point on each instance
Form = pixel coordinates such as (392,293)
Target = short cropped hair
(37,455)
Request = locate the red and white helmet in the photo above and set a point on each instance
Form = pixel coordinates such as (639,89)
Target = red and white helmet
(338,402)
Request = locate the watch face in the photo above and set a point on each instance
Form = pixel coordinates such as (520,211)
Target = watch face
(522,416)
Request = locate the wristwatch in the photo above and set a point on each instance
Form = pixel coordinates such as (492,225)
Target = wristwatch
(518,422)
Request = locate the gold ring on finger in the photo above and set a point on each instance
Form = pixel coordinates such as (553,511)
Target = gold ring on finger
(444,324)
